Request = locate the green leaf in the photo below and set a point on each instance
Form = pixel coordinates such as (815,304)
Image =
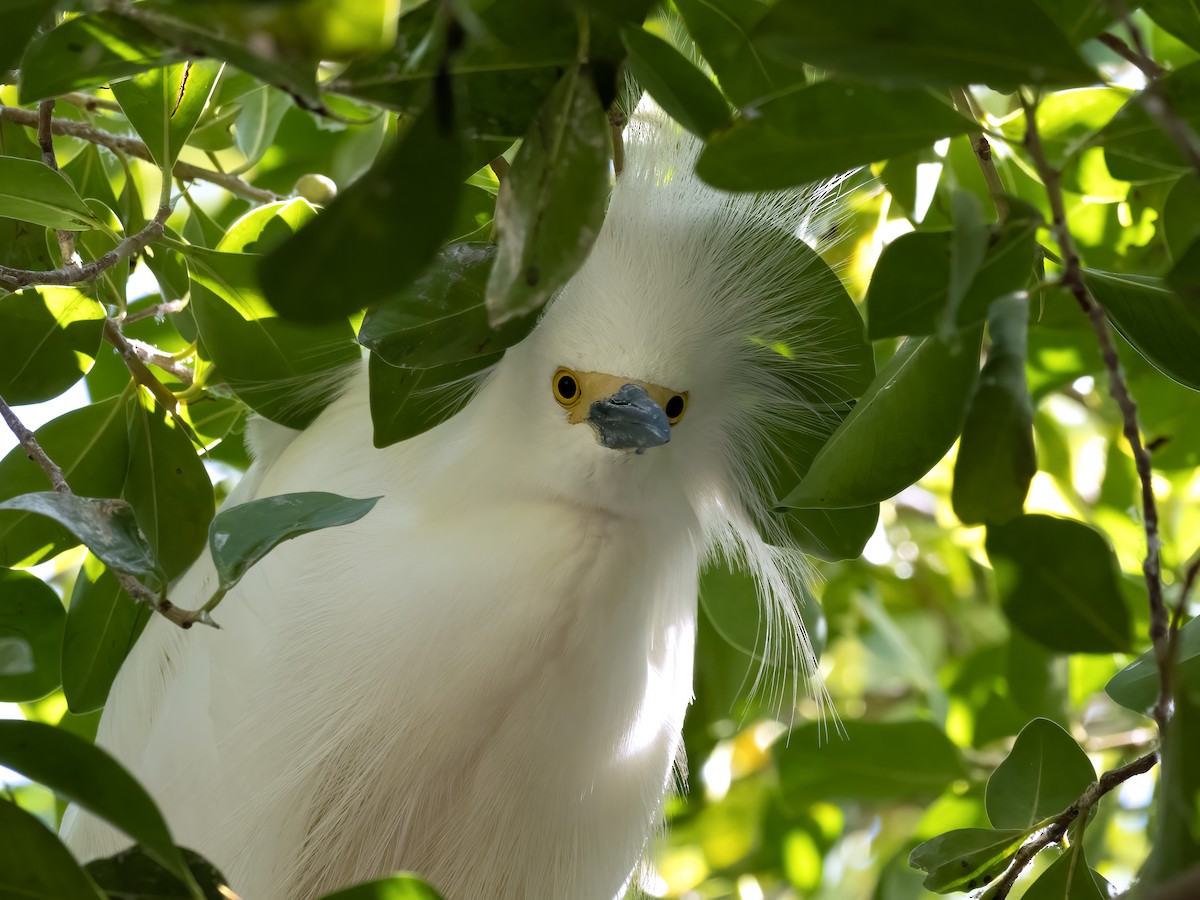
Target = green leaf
(33,192)
(1180,19)
(379,233)
(1078,19)
(1176,838)
(721,29)
(107,527)
(1058,582)
(1181,218)
(1067,878)
(133,874)
(1184,279)
(683,91)
(21,19)
(900,43)
(103,622)
(51,337)
(167,485)
(832,534)
(91,447)
(968,244)
(242,535)
(966,858)
(1135,148)
(996,459)
(397,887)
(1043,774)
(729,599)
(87,51)
(280,369)
(877,761)
(164,105)
(1136,686)
(551,203)
(441,318)
(406,402)
(34,863)
(1159,324)
(780,147)
(83,773)
(262,110)
(31,636)
(909,292)
(905,422)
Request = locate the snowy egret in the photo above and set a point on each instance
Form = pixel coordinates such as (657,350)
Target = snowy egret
(484,680)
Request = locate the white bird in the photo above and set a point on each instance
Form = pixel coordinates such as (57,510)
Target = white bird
(484,680)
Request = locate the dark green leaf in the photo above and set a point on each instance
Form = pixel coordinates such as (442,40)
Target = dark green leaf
(1078,19)
(33,192)
(134,875)
(1135,148)
(1067,878)
(1184,279)
(102,624)
(996,459)
(242,535)
(163,105)
(51,336)
(780,147)
(1180,19)
(91,447)
(21,19)
(901,43)
(832,534)
(552,201)
(1181,218)
(966,858)
(406,402)
(1042,775)
(167,486)
(258,120)
(1136,686)
(377,235)
(31,636)
(905,422)
(85,774)
(1176,837)
(441,318)
(876,761)
(683,91)
(721,29)
(34,864)
(1057,579)
(397,887)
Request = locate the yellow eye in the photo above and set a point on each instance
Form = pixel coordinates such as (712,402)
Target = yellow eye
(675,408)
(566,388)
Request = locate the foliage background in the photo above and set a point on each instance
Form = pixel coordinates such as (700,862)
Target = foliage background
(982,535)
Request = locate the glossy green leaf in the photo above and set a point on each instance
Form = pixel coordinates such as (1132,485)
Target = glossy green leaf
(1180,19)
(876,761)
(909,292)
(1157,321)
(51,336)
(1078,19)
(1184,279)
(996,460)
(1176,835)
(779,147)
(21,19)
(107,527)
(966,858)
(1043,774)
(377,235)
(721,29)
(684,92)
(31,636)
(408,401)
(103,622)
(552,202)
(33,192)
(1135,148)
(397,887)
(832,534)
(1057,580)
(242,535)
(904,423)
(133,874)
(34,864)
(1181,218)
(164,105)
(900,43)
(167,485)
(1136,686)
(258,120)
(441,318)
(1067,878)
(90,50)
(83,773)
(91,447)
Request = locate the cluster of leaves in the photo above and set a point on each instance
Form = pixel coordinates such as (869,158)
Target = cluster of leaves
(1023,201)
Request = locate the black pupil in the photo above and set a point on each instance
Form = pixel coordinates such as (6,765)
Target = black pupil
(567,387)
(674,407)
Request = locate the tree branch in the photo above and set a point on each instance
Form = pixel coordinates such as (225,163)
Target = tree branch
(1057,827)
(1072,280)
(137,368)
(165,361)
(114,142)
(66,239)
(983,152)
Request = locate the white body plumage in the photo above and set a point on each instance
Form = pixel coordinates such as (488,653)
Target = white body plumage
(485,679)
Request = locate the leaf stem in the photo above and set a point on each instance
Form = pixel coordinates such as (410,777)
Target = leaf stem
(983,152)
(45,135)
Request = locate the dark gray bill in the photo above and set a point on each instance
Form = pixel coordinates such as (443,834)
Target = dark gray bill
(629,420)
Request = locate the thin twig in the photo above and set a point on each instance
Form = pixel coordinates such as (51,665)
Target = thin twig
(1057,827)
(90,103)
(18,278)
(1149,67)
(114,142)
(34,450)
(616,124)
(137,368)
(158,309)
(165,361)
(66,239)
(983,152)
(1072,280)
